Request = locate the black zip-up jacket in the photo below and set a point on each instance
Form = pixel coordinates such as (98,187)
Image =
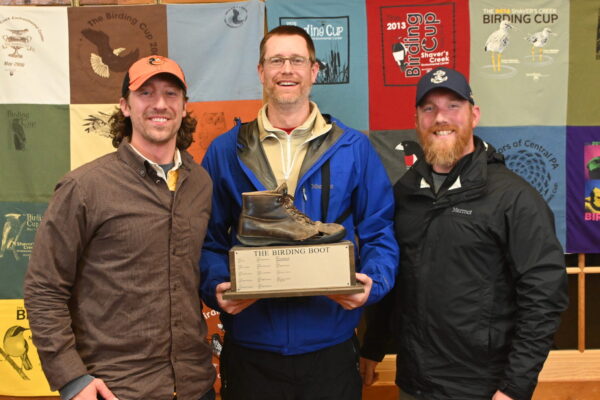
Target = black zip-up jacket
(481,284)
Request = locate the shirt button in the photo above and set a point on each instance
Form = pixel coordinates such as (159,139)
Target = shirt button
(142,172)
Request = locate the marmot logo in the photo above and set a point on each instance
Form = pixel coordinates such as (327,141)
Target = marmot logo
(457,210)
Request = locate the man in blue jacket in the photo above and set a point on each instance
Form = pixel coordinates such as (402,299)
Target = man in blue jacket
(296,348)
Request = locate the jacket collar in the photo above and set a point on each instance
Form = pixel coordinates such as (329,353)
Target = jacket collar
(251,153)
(469,173)
(315,125)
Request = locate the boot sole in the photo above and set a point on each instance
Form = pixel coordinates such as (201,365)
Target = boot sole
(271,241)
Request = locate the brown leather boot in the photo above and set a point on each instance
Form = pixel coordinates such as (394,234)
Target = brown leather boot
(270,218)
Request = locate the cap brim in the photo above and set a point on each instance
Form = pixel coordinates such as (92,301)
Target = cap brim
(462,96)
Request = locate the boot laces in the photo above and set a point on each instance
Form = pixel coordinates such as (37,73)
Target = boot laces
(288,202)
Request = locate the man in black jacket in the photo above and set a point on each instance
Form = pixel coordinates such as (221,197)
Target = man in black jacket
(482,281)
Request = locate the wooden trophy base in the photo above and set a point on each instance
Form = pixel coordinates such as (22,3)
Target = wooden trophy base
(292,271)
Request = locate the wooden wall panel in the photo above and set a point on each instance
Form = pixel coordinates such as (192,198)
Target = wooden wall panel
(113,2)
(35,3)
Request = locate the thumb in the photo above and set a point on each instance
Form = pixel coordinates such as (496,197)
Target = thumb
(104,391)
(364,279)
(368,371)
(371,377)
(223,286)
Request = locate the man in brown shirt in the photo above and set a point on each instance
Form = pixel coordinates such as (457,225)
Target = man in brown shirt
(112,285)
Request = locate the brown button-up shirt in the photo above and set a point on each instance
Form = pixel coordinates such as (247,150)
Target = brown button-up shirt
(113,280)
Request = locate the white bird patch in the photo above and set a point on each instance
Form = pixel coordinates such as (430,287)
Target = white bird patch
(497,42)
(539,40)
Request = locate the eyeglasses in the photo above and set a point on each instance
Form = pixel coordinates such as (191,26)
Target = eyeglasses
(278,62)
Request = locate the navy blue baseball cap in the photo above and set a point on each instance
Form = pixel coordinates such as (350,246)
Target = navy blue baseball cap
(444,78)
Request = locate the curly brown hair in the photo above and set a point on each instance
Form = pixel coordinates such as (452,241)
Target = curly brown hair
(120,128)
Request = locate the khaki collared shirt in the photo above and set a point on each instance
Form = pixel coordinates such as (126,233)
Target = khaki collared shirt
(284,152)
(112,284)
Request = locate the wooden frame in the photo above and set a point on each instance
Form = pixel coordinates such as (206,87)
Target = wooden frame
(581,365)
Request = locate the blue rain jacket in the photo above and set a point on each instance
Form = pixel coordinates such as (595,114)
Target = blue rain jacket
(236,164)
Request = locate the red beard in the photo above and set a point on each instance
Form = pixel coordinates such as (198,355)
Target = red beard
(444,152)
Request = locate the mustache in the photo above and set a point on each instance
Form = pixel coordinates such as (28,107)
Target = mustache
(443,127)
(159,115)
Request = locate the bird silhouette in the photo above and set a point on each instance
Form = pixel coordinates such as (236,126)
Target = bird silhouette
(236,17)
(324,69)
(15,345)
(412,152)
(18,132)
(399,52)
(592,202)
(497,42)
(539,40)
(11,231)
(108,59)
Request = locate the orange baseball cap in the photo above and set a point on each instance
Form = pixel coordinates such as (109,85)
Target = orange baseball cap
(145,68)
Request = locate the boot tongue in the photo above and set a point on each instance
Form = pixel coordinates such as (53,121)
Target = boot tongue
(283,189)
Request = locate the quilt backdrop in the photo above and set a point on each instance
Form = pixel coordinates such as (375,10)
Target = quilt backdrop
(519,60)
(533,66)
(338,30)
(407,39)
(61,75)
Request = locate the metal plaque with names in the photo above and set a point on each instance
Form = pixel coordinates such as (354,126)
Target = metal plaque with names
(291,271)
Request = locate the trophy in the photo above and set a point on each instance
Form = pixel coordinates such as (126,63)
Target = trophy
(286,254)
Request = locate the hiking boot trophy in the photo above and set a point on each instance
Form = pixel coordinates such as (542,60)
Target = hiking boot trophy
(269,218)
